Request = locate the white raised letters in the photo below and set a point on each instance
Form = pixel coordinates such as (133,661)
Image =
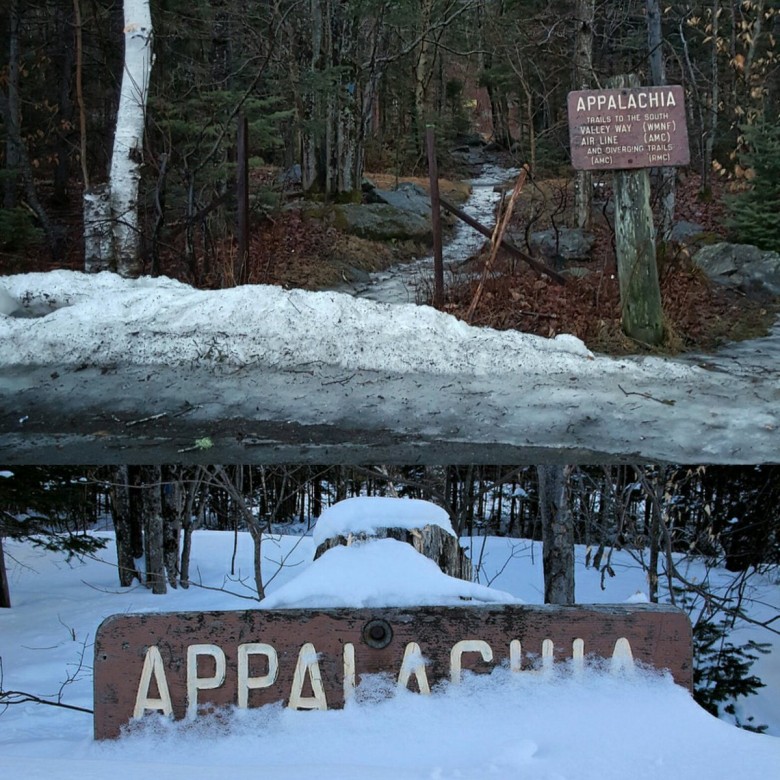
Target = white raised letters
(247,683)
(153,668)
(467,646)
(413,665)
(196,683)
(308,666)
(307,670)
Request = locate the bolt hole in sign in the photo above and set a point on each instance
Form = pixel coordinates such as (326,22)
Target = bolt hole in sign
(185,664)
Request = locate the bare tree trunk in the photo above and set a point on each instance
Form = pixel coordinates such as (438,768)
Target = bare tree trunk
(5,594)
(655,543)
(557,534)
(583,67)
(192,518)
(120,494)
(12,157)
(252,522)
(172,510)
(65,53)
(153,529)
(421,71)
(712,116)
(17,156)
(658,78)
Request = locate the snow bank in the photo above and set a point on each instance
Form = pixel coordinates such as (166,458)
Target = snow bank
(504,725)
(378,573)
(103,319)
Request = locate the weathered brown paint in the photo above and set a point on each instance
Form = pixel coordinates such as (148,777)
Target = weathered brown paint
(606,136)
(659,636)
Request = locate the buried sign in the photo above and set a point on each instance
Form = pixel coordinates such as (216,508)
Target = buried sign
(184,664)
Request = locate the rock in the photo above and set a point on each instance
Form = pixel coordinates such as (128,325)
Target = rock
(10,306)
(576,272)
(382,222)
(685,232)
(407,196)
(563,244)
(472,139)
(352,275)
(291,178)
(741,265)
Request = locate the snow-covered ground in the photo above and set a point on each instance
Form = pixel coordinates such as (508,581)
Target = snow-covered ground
(232,370)
(501,725)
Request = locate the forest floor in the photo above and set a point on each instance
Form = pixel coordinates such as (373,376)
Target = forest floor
(701,315)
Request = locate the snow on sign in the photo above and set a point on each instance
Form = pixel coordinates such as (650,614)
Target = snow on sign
(637,127)
(181,665)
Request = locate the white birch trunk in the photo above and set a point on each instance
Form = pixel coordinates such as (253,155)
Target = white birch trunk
(128,140)
(98,245)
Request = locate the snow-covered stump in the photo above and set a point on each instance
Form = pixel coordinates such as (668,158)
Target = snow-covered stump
(431,541)
(423,525)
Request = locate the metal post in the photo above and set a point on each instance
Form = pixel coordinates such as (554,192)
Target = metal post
(438,260)
(240,271)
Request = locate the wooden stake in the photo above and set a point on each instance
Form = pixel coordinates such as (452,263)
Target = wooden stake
(510,247)
(5,596)
(498,237)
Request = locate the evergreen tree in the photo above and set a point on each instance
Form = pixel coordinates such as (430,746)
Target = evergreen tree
(753,213)
(721,674)
(50,508)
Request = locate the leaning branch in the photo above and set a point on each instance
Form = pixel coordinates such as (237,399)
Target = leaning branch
(7,698)
(511,248)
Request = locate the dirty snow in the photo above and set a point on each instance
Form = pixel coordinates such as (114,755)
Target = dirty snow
(104,319)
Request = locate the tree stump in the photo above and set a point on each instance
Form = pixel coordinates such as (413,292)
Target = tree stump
(432,541)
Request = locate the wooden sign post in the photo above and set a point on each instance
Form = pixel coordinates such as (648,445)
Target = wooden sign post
(629,129)
(182,665)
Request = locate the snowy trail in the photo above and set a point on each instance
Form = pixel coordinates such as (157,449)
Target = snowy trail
(409,282)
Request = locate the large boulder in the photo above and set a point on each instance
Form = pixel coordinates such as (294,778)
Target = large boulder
(407,196)
(562,244)
(382,222)
(684,232)
(741,265)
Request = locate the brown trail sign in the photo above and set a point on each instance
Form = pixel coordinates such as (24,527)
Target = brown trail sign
(629,129)
(183,664)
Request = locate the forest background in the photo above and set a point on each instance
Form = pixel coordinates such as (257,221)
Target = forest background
(339,88)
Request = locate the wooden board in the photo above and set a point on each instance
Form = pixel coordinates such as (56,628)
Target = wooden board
(629,127)
(182,664)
